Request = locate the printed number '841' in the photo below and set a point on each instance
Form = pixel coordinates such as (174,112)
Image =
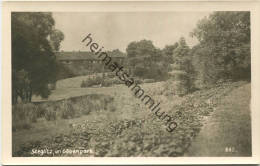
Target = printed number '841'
(230,149)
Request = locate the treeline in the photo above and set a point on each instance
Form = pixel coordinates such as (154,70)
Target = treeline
(223,53)
(34,41)
(146,61)
(224,49)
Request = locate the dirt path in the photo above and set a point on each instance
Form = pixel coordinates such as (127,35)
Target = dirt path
(227,132)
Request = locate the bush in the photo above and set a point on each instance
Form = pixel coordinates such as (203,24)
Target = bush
(50,114)
(111,108)
(23,115)
(100,81)
(95,103)
(91,81)
(63,71)
(155,71)
(41,109)
(173,87)
(66,109)
(83,107)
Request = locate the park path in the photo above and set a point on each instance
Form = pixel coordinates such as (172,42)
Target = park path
(227,132)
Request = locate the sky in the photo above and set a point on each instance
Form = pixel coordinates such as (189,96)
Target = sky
(115,30)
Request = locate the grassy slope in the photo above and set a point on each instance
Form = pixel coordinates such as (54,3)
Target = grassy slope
(154,141)
(228,127)
(47,129)
(74,82)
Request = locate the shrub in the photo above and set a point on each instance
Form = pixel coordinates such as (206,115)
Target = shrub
(107,101)
(50,114)
(175,87)
(91,81)
(154,71)
(84,106)
(94,103)
(66,109)
(111,108)
(100,81)
(41,109)
(23,115)
(64,72)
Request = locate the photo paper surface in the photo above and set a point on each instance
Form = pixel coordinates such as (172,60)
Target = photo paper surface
(116,83)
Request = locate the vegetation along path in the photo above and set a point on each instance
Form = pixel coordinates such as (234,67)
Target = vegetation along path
(227,132)
(133,131)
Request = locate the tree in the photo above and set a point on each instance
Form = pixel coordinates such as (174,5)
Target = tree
(226,36)
(182,68)
(204,66)
(146,61)
(116,53)
(32,53)
(22,83)
(168,49)
(141,48)
(56,37)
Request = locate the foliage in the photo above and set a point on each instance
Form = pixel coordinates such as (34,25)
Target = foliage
(146,61)
(116,53)
(135,136)
(182,68)
(224,46)
(168,49)
(22,83)
(66,109)
(33,36)
(50,113)
(102,81)
(56,36)
(75,107)
(97,80)
(63,72)
(23,115)
(204,66)
(141,48)
(167,52)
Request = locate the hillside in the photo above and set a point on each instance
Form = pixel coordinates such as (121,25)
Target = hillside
(227,132)
(131,130)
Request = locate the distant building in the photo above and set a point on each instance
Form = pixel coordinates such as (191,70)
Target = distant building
(82,63)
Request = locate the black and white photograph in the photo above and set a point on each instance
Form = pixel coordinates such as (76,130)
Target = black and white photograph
(131,84)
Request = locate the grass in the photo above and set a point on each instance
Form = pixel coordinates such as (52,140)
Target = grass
(71,87)
(229,127)
(119,132)
(23,115)
(74,82)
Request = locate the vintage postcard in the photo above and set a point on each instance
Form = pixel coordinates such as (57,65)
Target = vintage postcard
(130,82)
